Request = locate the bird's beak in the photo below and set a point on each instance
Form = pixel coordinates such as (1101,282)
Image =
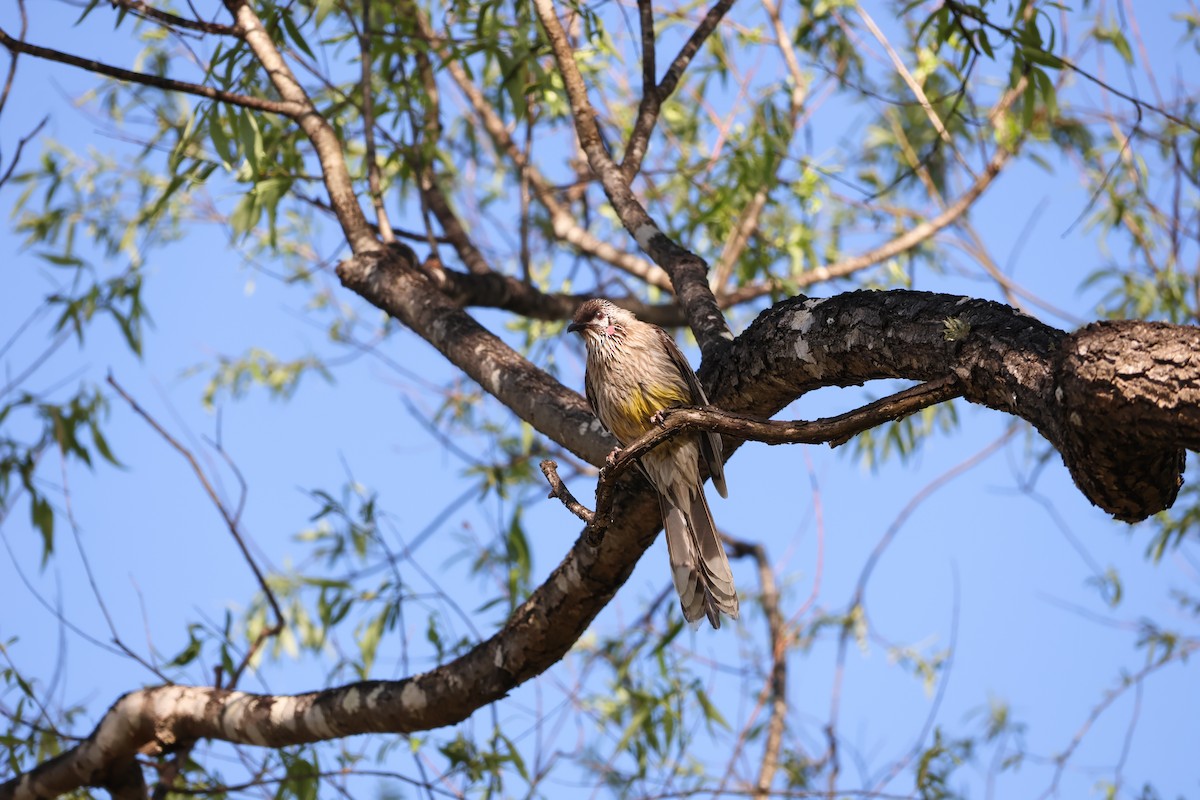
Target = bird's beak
(576,327)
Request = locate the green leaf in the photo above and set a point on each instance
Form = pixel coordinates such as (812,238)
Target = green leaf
(43,520)
(188,654)
(1039,56)
(294,33)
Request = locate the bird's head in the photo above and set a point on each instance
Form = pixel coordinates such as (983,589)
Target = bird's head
(597,320)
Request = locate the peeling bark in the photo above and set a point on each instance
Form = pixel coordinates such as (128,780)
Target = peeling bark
(1121,401)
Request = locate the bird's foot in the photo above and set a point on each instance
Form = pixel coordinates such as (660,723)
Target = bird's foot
(611,459)
(658,418)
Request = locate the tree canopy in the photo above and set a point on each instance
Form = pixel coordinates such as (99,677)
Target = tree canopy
(286,387)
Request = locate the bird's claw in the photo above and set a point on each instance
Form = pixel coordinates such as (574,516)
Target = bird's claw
(658,418)
(611,459)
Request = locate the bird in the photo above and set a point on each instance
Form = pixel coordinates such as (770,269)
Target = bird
(634,371)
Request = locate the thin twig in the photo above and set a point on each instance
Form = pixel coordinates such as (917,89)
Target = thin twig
(914,87)
(230,522)
(246,101)
(12,65)
(834,431)
(145,11)
(1015,38)
(775,687)
(368,112)
(565,225)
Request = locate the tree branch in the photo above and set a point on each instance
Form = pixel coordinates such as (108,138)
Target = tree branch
(834,431)
(905,241)
(689,273)
(563,222)
(166,19)
(285,108)
(774,689)
(368,112)
(359,233)
(231,522)
(653,96)
(1117,399)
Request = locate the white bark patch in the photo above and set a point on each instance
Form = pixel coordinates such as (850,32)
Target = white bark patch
(318,724)
(498,658)
(802,322)
(491,381)
(352,701)
(412,697)
(238,721)
(373,697)
(567,580)
(644,234)
(592,426)
(283,714)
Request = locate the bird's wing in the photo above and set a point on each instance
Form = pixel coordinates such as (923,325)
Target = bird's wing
(590,393)
(710,443)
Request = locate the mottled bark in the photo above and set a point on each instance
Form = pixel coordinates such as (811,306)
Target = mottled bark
(1120,400)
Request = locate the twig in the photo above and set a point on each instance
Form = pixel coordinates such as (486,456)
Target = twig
(775,687)
(1185,650)
(145,11)
(689,273)
(914,87)
(559,490)
(368,112)
(563,222)
(12,65)
(653,96)
(1015,38)
(748,220)
(24,140)
(230,522)
(284,108)
(320,133)
(834,431)
(909,239)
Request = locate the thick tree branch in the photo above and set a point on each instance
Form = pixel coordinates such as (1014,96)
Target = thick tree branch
(1119,400)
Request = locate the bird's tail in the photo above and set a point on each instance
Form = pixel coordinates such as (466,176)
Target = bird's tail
(699,566)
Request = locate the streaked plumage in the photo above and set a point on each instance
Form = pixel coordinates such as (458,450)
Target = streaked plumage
(635,369)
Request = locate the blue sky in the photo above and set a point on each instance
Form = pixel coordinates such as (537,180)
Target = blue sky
(978,563)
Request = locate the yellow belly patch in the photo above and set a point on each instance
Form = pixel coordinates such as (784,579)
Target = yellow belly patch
(633,411)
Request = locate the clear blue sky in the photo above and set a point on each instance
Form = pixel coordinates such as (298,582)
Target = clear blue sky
(979,563)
